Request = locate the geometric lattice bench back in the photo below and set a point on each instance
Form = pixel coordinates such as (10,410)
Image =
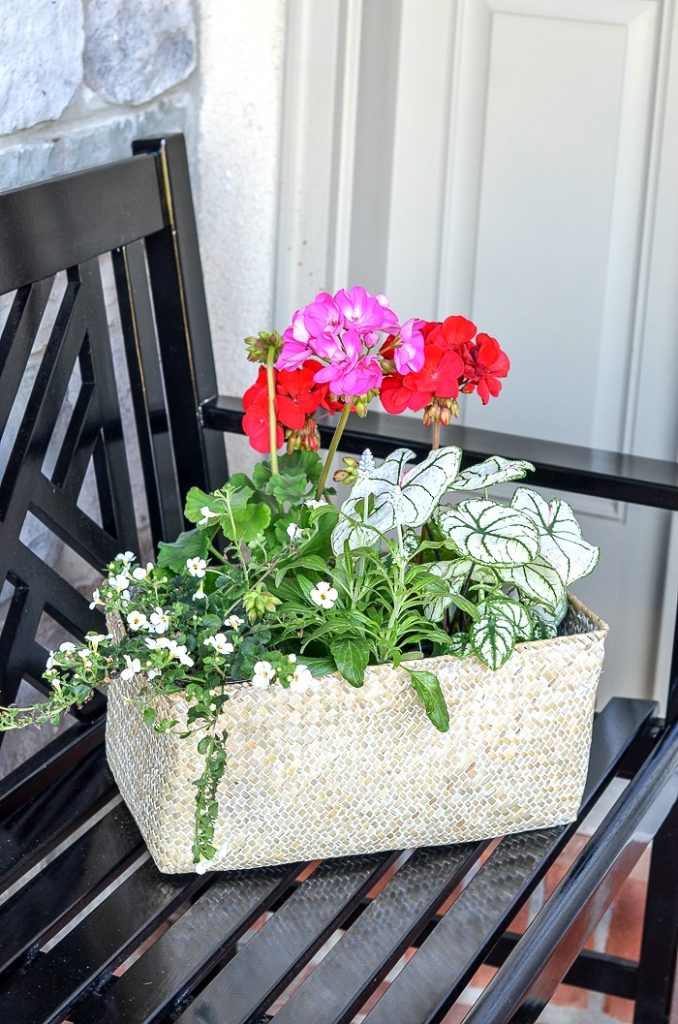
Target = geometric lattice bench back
(96,447)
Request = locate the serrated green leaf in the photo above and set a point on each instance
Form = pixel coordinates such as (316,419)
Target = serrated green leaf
(196,500)
(426,685)
(351,656)
(190,544)
(560,538)
(245,522)
(489,533)
(495,470)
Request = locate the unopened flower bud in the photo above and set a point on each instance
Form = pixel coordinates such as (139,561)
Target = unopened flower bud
(258,348)
(349,474)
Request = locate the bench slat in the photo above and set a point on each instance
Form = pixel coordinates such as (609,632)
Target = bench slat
(353,968)
(95,946)
(60,891)
(181,958)
(445,962)
(30,833)
(272,957)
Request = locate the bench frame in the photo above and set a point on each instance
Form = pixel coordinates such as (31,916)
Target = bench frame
(140,210)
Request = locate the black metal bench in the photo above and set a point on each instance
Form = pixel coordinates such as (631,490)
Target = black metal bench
(90,897)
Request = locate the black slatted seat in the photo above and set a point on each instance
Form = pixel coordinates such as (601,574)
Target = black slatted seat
(90,931)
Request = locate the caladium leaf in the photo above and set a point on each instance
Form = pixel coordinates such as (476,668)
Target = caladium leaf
(537,580)
(489,533)
(495,470)
(393,495)
(492,637)
(553,616)
(512,610)
(560,538)
(454,573)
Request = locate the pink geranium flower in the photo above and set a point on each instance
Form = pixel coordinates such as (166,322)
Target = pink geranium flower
(408,353)
(296,344)
(350,372)
(365,312)
(322,316)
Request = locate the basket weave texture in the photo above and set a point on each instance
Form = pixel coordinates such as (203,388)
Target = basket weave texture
(345,771)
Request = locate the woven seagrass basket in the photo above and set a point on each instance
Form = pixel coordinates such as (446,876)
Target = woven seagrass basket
(346,771)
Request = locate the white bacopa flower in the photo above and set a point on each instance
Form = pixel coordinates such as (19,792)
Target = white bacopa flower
(119,583)
(94,639)
(159,621)
(324,595)
(126,557)
(207,514)
(220,644)
(152,673)
(96,599)
(314,503)
(199,594)
(234,621)
(66,647)
(301,679)
(133,665)
(292,658)
(137,620)
(294,532)
(264,675)
(139,573)
(196,567)
(50,661)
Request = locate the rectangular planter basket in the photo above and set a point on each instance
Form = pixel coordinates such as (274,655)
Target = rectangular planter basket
(346,771)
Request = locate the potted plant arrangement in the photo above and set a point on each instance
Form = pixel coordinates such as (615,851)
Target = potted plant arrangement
(299,677)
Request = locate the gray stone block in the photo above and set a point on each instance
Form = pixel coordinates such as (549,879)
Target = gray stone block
(40,60)
(136,49)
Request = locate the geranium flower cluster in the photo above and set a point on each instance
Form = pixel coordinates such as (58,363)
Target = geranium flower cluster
(456,359)
(342,350)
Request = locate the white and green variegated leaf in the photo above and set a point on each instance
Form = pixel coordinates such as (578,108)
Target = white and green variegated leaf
(537,580)
(455,573)
(504,607)
(495,470)
(553,616)
(392,495)
(489,533)
(422,487)
(560,539)
(493,636)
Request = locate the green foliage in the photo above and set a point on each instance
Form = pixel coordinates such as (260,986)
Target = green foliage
(351,656)
(427,688)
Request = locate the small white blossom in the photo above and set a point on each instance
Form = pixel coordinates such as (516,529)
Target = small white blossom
(234,621)
(314,503)
(199,594)
(159,621)
(292,658)
(139,573)
(133,666)
(126,557)
(294,532)
(152,673)
(324,595)
(220,644)
(96,599)
(94,639)
(50,661)
(137,620)
(264,675)
(196,567)
(119,583)
(207,514)
(66,647)
(301,679)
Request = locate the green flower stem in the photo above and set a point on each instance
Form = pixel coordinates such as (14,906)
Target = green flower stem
(272,420)
(346,412)
(436,435)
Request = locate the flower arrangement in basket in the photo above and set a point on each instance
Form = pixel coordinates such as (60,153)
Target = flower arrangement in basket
(409,667)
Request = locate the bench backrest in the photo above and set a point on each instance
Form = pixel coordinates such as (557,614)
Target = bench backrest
(52,236)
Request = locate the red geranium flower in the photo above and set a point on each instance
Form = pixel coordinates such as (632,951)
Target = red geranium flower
(485,363)
(453,333)
(297,397)
(255,422)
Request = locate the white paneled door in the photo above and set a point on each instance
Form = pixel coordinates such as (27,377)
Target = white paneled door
(515,161)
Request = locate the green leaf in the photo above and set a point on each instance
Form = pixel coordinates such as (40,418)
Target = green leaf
(543,631)
(458,646)
(493,636)
(427,688)
(196,500)
(289,487)
(489,533)
(537,580)
(495,470)
(560,539)
(454,573)
(351,655)
(190,544)
(320,666)
(245,522)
